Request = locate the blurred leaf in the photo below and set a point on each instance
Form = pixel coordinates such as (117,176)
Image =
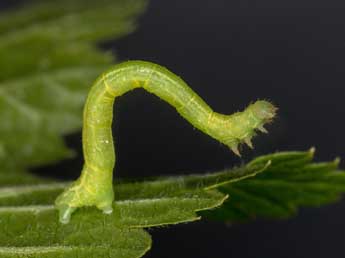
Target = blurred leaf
(48,60)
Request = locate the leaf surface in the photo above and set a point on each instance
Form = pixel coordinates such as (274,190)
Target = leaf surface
(35,232)
(274,185)
(30,226)
(163,187)
(289,180)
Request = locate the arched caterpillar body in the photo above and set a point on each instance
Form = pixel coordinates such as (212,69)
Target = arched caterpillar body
(94,187)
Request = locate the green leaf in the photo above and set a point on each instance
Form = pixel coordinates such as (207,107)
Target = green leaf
(137,212)
(44,80)
(30,226)
(291,181)
(164,187)
(274,185)
(36,232)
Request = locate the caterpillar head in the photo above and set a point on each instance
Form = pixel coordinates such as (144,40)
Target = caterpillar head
(263,111)
(254,117)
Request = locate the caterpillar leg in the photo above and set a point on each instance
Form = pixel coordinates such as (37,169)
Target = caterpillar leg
(85,193)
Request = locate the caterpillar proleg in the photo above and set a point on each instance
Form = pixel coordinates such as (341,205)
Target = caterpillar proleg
(95,185)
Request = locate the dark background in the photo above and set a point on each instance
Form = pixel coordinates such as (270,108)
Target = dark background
(290,52)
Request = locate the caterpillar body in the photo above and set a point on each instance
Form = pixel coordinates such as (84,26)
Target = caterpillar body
(95,185)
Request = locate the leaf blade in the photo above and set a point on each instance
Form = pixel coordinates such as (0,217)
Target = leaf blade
(292,181)
(35,232)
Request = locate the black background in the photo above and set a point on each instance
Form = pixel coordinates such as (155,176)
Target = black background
(233,52)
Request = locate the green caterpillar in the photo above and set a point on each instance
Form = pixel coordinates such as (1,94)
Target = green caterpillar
(95,185)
